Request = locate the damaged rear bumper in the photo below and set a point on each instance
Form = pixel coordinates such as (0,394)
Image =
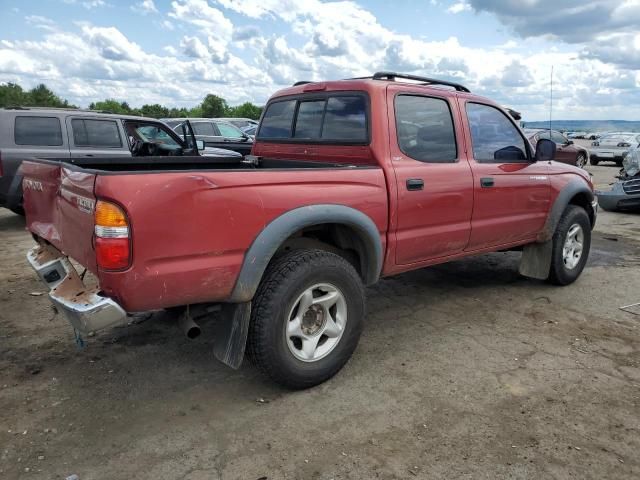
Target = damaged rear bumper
(84,307)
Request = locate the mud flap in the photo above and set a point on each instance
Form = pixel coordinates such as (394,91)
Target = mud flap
(230,333)
(536,260)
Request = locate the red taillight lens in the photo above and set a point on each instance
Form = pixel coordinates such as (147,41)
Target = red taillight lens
(113,241)
(112,253)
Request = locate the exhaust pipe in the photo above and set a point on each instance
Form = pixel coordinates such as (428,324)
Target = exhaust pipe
(190,328)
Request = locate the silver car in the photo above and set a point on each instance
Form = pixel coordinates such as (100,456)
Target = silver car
(612,147)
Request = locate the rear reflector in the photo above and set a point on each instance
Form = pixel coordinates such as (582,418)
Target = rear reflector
(113,242)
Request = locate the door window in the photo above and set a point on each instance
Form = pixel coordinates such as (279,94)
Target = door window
(95,133)
(38,131)
(203,128)
(229,131)
(558,138)
(425,129)
(494,137)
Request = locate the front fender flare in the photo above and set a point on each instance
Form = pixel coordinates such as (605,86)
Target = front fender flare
(573,188)
(275,233)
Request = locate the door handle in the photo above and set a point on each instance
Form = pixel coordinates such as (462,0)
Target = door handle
(415,184)
(486,182)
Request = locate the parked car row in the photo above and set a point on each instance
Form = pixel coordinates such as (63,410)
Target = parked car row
(613,147)
(71,134)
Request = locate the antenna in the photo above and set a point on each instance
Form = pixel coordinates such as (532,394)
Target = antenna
(551,102)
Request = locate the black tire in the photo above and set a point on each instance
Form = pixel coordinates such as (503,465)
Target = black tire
(594,161)
(284,281)
(18,211)
(559,273)
(581,160)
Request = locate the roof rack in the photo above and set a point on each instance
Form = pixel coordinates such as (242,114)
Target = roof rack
(301,82)
(424,80)
(63,109)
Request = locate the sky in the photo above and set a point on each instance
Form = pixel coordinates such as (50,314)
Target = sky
(176,52)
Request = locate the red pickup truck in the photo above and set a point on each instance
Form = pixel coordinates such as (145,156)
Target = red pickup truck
(348,181)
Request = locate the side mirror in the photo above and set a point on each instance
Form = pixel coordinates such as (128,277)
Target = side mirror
(200,144)
(569,142)
(545,150)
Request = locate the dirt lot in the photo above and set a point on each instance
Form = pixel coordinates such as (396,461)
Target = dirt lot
(465,370)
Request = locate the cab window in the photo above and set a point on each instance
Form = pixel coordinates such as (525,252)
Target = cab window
(425,129)
(494,137)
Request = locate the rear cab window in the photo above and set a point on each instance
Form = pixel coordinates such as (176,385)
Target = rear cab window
(38,131)
(331,118)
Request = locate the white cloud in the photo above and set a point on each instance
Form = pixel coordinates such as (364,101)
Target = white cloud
(459,7)
(329,40)
(144,7)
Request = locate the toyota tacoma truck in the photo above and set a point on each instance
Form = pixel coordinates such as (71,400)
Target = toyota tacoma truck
(349,181)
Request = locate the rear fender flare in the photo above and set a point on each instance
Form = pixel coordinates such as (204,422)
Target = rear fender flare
(275,233)
(573,188)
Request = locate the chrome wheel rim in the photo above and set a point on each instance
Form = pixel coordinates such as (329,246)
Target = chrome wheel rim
(582,160)
(573,246)
(316,322)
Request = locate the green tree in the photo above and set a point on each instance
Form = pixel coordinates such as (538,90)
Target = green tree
(41,96)
(246,110)
(214,106)
(154,111)
(113,106)
(11,94)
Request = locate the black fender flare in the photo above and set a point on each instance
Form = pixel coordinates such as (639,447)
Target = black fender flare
(573,188)
(281,228)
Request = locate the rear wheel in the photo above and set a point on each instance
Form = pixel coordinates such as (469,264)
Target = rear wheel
(306,318)
(593,161)
(571,245)
(581,160)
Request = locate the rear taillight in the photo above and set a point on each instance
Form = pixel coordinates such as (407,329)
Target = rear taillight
(113,237)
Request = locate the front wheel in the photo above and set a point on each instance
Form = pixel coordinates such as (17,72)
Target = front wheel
(571,245)
(594,161)
(581,160)
(306,318)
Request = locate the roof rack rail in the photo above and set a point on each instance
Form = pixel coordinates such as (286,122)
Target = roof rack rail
(425,80)
(301,82)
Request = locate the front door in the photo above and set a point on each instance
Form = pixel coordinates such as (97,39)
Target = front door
(435,189)
(511,191)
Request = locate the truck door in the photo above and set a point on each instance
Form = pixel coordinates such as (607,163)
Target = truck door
(435,189)
(96,137)
(511,191)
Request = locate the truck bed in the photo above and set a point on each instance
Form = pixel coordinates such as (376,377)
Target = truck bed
(191,220)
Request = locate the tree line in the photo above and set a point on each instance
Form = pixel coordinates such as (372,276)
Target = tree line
(212,106)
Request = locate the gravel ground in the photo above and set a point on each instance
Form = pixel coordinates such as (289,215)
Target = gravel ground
(465,370)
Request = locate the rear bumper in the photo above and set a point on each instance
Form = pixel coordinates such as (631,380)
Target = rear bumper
(84,308)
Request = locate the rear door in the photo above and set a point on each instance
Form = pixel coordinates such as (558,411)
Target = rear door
(96,137)
(435,183)
(511,192)
(59,203)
